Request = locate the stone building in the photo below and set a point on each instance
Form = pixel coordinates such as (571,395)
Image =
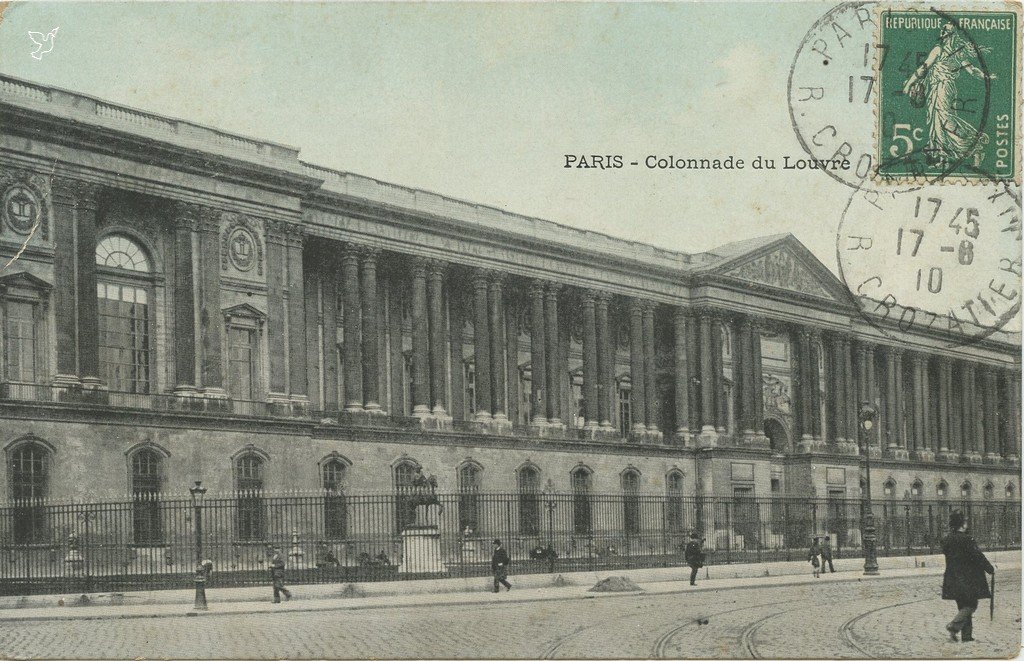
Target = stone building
(180,303)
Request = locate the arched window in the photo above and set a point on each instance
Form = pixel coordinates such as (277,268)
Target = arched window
(1009,491)
(965,491)
(674,492)
(942,489)
(146,474)
(631,501)
(988,491)
(124,288)
(469,494)
(889,489)
(29,480)
(581,514)
(528,483)
(916,490)
(406,472)
(249,483)
(335,510)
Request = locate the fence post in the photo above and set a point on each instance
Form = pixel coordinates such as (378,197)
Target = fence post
(931,530)
(786,530)
(906,516)
(728,532)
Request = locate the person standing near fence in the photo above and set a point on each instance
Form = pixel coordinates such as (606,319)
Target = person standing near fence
(277,564)
(964,580)
(500,562)
(814,556)
(694,555)
(826,555)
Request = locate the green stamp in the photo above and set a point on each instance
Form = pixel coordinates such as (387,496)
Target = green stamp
(948,86)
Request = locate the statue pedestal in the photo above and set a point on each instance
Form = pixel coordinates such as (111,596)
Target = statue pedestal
(421,543)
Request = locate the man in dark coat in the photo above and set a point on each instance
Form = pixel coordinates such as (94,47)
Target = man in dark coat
(500,562)
(694,555)
(277,564)
(826,554)
(964,581)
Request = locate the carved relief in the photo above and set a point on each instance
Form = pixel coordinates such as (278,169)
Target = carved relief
(776,395)
(24,198)
(240,244)
(783,270)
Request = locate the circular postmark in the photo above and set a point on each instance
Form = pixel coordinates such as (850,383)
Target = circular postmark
(903,95)
(942,260)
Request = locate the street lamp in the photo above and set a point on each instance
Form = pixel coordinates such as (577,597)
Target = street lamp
(868,413)
(550,503)
(198,492)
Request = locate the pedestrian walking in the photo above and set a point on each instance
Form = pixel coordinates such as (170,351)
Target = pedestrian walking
(826,555)
(500,562)
(277,564)
(814,556)
(964,581)
(694,555)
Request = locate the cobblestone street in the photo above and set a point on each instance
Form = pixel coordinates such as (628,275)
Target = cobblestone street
(891,618)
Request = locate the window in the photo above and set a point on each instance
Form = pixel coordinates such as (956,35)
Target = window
(124,289)
(29,478)
(145,497)
(469,495)
(915,489)
(249,483)
(1009,491)
(965,490)
(20,363)
(528,482)
(624,411)
(631,502)
(242,352)
(405,511)
(335,510)
(988,491)
(581,515)
(578,415)
(942,490)
(889,489)
(469,386)
(674,511)
(526,403)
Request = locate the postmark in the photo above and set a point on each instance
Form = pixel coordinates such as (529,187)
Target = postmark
(948,86)
(944,260)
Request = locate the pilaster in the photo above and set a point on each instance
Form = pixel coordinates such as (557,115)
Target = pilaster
(369,308)
(185,219)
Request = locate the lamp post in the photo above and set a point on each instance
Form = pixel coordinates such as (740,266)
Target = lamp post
(868,413)
(550,503)
(198,492)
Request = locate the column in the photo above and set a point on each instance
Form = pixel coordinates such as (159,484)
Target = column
(650,392)
(420,389)
(88,305)
(718,329)
(757,379)
(277,274)
(436,339)
(313,272)
(297,383)
(481,346)
(837,390)
(554,363)
(211,319)
(920,409)
(990,402)
(682,375)
(186,227)
(707,379)
(538,365)
(808,385)
(65,295)
(499,391)
(605,361)
(590,353)
(352,360)
(892,426)
(395,324)
(860,370)
(743,377)
(511,312)
(455,341)
(1011,442)
(815,383)
(638,381)
(970,418)
(852,404)
(329,341)
(901,398)
(945,422)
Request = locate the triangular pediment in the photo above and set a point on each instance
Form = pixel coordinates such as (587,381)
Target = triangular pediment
(24,280)
(244,310)
(786,265)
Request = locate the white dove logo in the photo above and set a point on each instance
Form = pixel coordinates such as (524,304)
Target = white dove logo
(44,43)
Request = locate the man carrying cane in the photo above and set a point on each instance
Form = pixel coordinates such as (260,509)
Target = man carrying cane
(964,580)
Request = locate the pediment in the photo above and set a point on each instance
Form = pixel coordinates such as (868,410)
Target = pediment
(24,280)
(244,310)
(786,265)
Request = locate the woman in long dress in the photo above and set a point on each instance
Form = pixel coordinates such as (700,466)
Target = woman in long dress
(951,138)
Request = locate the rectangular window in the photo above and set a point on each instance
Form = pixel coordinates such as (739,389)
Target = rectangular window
(124,346)
(242,352)
(577,398)
(20,342)
(469,381)
(624,414)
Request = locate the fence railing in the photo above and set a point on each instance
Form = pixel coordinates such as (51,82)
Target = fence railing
(150,541)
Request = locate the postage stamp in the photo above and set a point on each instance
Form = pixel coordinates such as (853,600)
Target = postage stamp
(948,93)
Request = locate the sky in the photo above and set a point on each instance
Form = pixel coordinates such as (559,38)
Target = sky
(479,101)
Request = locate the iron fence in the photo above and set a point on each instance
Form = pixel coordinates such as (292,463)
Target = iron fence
(149,541)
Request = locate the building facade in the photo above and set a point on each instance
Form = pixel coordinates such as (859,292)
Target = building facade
(182,304)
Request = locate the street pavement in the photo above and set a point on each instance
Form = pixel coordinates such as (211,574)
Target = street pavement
(835,616)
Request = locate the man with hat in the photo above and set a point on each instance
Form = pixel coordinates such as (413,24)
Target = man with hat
(277,564)
(694,555)
(500,562)
(964,581)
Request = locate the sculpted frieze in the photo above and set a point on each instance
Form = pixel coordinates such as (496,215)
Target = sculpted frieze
(783,270)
